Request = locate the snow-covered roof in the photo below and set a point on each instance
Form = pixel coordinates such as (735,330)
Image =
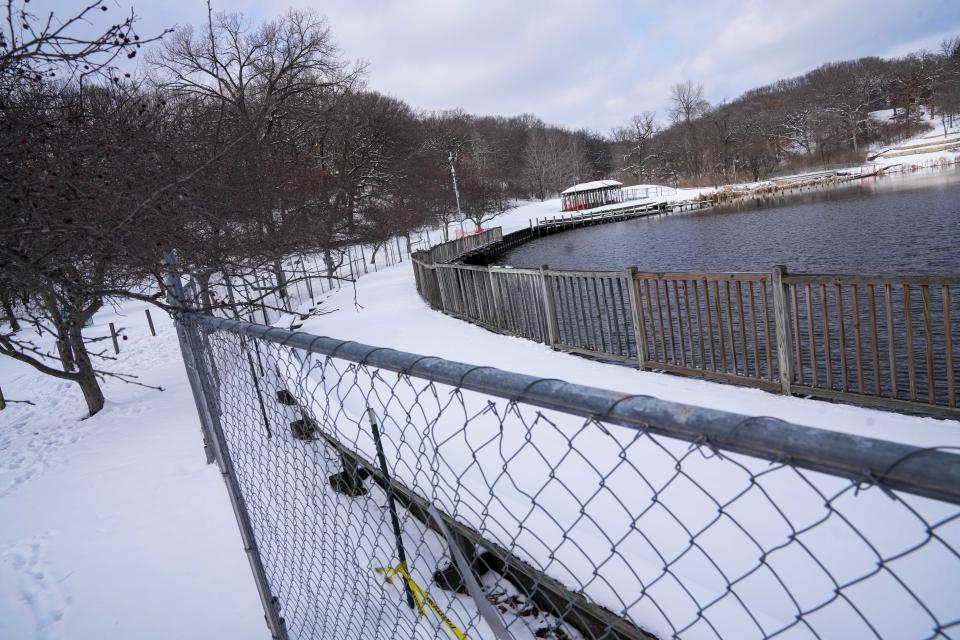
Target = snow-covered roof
(590,186)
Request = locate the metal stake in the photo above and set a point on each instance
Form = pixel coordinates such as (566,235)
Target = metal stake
(391,503)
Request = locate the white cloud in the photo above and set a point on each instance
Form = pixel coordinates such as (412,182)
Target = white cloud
(593,63)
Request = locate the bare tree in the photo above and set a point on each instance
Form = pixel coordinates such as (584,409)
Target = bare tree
(688,105)
(636,143)
(946,93)
(256,73)
(449,134)
(70,158)
(34,47)
(536,161)
(80,164)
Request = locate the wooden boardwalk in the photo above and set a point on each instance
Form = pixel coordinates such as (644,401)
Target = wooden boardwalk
(564,222)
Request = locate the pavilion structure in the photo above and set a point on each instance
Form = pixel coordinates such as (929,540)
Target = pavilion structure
(591,194)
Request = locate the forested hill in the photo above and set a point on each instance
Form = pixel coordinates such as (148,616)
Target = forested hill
(828,116)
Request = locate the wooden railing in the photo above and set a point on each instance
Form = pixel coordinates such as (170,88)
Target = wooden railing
(713,325)
(885,340)
(454,249)
(890,338)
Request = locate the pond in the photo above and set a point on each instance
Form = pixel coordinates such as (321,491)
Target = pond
(896,224)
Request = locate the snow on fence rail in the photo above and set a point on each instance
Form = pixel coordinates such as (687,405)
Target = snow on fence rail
(576,512)
(883,340)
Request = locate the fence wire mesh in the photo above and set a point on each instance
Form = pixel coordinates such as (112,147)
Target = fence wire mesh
(574,524)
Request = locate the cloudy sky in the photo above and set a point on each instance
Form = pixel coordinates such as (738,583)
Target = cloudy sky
(588,63)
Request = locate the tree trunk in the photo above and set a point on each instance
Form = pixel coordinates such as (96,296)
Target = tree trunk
(853,134)
(282,284)
(63,348)
(328,261)
(11,318)
(92,393)
(86,377)
(203,283)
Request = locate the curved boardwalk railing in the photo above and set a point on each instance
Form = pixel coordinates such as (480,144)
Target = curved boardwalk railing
(882,340)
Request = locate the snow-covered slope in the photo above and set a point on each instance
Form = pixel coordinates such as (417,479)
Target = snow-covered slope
(113,526)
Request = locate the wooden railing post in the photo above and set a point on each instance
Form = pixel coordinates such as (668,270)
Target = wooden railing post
(549,308)
(440,285)
(494,295)
(784,329)
(638,334)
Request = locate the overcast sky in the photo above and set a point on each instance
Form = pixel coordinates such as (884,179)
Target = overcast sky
(588,63)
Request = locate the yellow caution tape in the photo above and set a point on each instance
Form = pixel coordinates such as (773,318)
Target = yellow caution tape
(421,597)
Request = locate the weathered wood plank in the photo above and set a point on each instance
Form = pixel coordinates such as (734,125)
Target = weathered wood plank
(871,278)
(636,315)
(928,344)
(754,331)
(810,337)
(908,320)
(743,328)
(798,355)
(683,342)
(842,336)
(891,341)
(948,348)
(549,308)
(857,346)
(766,330)
(781,318)
(689,323)
(655,355)
(874,338)
(713,353)
(700,335)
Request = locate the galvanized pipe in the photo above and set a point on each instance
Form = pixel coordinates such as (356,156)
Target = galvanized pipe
(919,471)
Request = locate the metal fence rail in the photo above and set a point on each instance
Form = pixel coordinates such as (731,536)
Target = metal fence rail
(885,340)
(358,473)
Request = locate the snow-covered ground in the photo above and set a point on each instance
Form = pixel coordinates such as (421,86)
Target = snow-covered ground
(114,526)
(926,146)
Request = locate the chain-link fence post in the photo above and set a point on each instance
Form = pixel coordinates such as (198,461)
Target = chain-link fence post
(175,297)
(207,398)
(271,604)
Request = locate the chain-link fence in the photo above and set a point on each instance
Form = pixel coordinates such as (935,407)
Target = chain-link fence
(294,286)
(388,495)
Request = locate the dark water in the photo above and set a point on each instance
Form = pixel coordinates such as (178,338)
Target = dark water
(896,224)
